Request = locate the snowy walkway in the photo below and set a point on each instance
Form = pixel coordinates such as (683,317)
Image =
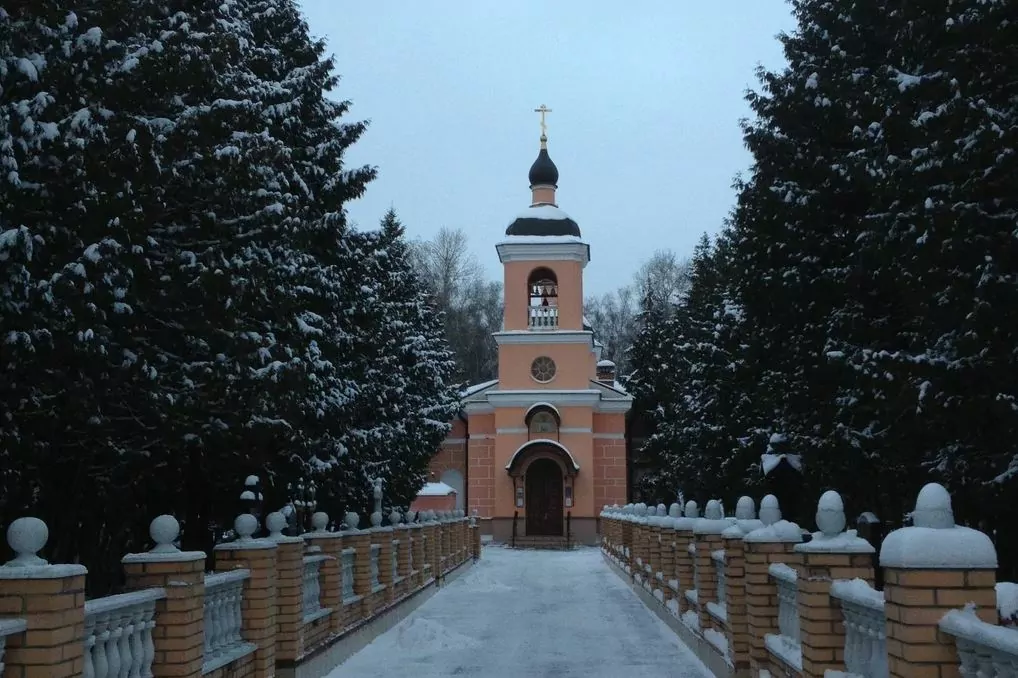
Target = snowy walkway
(529,614)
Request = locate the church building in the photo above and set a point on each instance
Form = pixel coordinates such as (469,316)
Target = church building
(542,449)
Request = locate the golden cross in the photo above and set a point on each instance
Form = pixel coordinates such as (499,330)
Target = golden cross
(543,110)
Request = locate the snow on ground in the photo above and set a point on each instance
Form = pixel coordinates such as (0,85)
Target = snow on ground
(533,614)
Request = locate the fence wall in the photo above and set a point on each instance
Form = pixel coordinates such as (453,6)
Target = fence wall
(272,605)
(762,597)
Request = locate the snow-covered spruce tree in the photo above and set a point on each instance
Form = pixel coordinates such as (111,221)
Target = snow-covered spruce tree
(805,289)
(653,381)
(406,398)
(79,415)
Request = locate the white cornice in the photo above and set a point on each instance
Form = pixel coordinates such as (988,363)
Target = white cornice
(539,251)
(592,398)
(543,337)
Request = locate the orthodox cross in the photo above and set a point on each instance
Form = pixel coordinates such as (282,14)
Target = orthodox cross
(543,110)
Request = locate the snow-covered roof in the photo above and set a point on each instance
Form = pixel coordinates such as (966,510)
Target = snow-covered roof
(477,388)
(436,490)
(542,212)
(606,363)
(544,441)
(613,391)
(539,239)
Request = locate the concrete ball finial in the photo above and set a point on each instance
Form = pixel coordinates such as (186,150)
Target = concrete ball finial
(245,525)
(830,515)
(714,510)
(745,509)
(395,517)
(662,510)
(933,508)
(770,511)
(320,521)
(692,510)
(26,537)
(352,520)
(376,519)
(675,511)
(164,530)
(275,523)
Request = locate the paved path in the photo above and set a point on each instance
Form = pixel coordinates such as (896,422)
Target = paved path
(529,614)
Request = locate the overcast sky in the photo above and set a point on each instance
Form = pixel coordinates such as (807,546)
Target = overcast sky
(646,98)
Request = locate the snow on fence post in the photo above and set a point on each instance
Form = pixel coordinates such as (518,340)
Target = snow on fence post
(932,568)
(656,526)
(29,589)
(707,538)
(289,596)
(772,543)
(331,576)
(735,582)
(258,557)
(832,554)
(684,565)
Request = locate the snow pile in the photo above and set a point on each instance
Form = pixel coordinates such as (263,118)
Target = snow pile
(858,591)
(965,624)
(846,542)
(1007,603)
(436,490)
(417,636)
(690,619)
(934,541)
(769,462)
(781,531)
(718,640)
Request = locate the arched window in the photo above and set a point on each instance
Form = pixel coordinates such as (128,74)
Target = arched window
(543,293)
(542,422)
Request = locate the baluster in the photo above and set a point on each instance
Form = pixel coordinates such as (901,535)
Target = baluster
(966,653)
(137,650)
(88,670)
(218,621)
(148,616)
(208,630)
(124,642)
(985,662)
(213,624)
(238,617)
(102,635)
(113,645)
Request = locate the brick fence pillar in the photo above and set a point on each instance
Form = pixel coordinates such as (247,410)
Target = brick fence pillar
(289,597)
(930,569)
(683,559)
(773,543)
(735,582)
(707,532)
(258,608)
(832,554)
(50,602)
(360,542)
(179,633)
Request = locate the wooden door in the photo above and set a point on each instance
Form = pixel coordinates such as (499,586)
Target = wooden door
(544,498)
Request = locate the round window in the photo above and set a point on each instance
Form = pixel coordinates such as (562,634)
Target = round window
(542,369)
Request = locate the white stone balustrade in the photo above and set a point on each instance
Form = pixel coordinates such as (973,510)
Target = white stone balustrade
(544,317)
(719,609)
(224,642)
(9,627)
(311,591)
(118,634)
(786,643)
(376,550)
(985,650)
(862,608)
(395,560)
(349,557)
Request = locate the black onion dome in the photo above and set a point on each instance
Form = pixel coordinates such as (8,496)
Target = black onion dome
(543,220)
(543,172)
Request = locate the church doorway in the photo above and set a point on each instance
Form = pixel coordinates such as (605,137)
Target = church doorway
(544,498)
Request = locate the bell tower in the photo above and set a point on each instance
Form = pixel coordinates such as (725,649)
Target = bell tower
(543,257)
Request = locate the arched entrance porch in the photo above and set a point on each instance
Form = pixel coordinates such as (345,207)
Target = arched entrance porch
(543,472)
